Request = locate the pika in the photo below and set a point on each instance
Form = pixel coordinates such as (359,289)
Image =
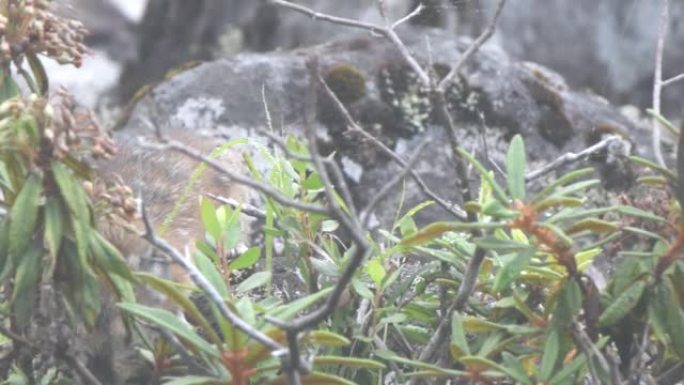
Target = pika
(162,179)
(166,182)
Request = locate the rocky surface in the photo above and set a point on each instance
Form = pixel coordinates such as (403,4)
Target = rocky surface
(512,97)
(606,46)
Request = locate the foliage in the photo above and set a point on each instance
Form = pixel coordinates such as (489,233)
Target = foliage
(50,248)
(505,297)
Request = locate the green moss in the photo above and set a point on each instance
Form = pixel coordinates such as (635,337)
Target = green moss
(347,82)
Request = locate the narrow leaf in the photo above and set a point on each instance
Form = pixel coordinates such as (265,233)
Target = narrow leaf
(515,168)
(246,259)
(550,355)
(623,304)
(26,279)
(170,322)
(24,215)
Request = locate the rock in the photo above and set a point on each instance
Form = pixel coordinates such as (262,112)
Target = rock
(512,97)
(607,46)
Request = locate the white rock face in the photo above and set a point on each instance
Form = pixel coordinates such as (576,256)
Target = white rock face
(132,9)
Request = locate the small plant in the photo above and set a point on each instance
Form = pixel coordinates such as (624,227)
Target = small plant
(53,260)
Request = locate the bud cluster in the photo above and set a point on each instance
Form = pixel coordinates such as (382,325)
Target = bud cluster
(29,124)
(29,26)
(76,131)
(115,201)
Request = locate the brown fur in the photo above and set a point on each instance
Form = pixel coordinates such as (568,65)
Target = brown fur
(159,177)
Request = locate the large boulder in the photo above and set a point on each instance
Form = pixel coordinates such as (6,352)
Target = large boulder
(495,98)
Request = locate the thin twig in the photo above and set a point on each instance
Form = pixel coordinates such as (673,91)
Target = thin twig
(658,80)
(464,291)
(408,17)
(387,32)
(205,285)
(354,127)
(672,80)
(389,186)
(235,177)
(571,157)
(357,234)
(329,18)
(245,208)
(473,48)
(282,145)
(342,186)
(86,375)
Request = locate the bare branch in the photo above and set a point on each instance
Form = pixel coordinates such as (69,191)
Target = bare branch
(342,185)
(408,17)
(350,224)
(368,211)
(329,18)
(474,47)
(672,80)
(83,372)
(387,32)
(245,208)
(658,80)
(571,157)
(205,285)
(237,178)
(354,127)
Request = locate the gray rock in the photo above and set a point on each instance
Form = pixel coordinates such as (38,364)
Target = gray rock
(513,97)
(607,45)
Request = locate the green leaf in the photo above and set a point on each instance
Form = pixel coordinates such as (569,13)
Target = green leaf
(501,245)
(496,189)
(496,209)
(481,363)
(39,73)
(412,212)
(550,355)
(514,369)
(211,273)
(75,198)
(623,304)
(325,338)
(654,166)
(594,225)
(459,343)
(350,362)
(361,289)
(510,271)
(54,228)
(666,123)
(391,356)
(563,375)
(170,290)
(24,215)
(170,322)
(5,261)
(108,257)
(246,259)
(562,181)
(194,380)
(376,271)
(436,229)
(288,311)
(318,378)
(26,279)
(254,281)
(209,219)
(8,88)
(667,316)
(515,168)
